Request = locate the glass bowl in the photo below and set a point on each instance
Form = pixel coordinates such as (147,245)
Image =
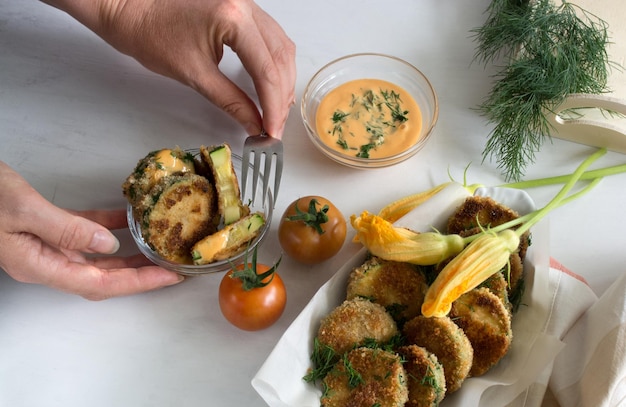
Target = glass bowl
(369,66)
(223,265)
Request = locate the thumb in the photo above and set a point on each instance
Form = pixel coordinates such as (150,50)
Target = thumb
(67,231)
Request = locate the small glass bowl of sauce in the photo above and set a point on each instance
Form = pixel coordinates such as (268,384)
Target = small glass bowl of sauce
(369,110)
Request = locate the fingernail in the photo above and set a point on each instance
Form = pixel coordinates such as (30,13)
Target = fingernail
(104,242)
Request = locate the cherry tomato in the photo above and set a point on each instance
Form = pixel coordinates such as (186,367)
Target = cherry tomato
(252,296)
(312,230)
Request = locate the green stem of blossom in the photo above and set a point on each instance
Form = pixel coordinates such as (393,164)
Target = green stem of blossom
(560,179)
(561,198)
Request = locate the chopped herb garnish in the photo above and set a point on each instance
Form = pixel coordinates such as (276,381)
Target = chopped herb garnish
(323,358)
(380,112)
(429,379)
(364,151)
(354,377)
(339,116)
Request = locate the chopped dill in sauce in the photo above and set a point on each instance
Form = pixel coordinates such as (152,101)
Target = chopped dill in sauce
(362,116)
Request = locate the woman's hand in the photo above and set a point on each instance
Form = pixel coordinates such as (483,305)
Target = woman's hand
(184,40)
(43,244)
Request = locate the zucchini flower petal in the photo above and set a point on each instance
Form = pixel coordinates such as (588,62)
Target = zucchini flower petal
(482,258)
(388,242)
(402,206)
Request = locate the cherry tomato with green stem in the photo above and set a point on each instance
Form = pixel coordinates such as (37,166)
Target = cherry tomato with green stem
(252,296)
(312,230)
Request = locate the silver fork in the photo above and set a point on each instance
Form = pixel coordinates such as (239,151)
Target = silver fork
(271,149)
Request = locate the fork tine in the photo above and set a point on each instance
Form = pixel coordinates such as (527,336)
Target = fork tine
(266,173)
(266,148)
(278,170)
(245,164)
(255,173)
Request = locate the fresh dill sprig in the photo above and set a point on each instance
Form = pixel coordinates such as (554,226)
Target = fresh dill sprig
(354,377)
(551,51)
(323,358)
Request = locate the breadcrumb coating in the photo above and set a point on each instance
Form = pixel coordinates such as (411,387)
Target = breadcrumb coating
(399,287)
(150,170)
(487,324)
(366,377)
(182,214)
(441,336)
(483,211)
(355,322)
(425,376)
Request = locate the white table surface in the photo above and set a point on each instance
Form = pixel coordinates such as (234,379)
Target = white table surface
(75,116)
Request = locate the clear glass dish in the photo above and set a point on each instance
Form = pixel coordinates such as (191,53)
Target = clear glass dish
(218,266)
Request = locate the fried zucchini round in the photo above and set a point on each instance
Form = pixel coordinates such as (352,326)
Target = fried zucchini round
(425,377)
(183,212)
(487,324)
(480,212)
(366,377)
(150,170)
(399,287)
(498,285)
(355,322)
(441,336)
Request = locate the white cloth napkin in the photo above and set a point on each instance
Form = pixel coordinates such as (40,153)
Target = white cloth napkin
(590,371)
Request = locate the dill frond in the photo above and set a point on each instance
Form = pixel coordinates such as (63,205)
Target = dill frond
(551,51)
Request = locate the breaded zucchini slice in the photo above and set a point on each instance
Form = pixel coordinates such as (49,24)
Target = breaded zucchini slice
(354,323)
(487,212)
(366,377)
(498,285)
(399,287)
(483,211)
(479,211)
(425,378)
(487,324)
(219,160)
(229,240)
(441,336)
(151,169)
(181,214)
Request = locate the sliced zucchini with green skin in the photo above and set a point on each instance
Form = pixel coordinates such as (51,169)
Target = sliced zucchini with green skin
(228,241)
(181,214)
(226,184)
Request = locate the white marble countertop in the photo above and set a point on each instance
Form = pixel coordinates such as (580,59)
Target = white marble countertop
(75,116)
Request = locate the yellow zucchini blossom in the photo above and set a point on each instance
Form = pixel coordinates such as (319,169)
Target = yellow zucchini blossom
(482,258)
(401,207)
(388,242)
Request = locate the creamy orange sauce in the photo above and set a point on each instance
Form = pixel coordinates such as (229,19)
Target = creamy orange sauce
(207,248)
(368,118)
(169,163)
